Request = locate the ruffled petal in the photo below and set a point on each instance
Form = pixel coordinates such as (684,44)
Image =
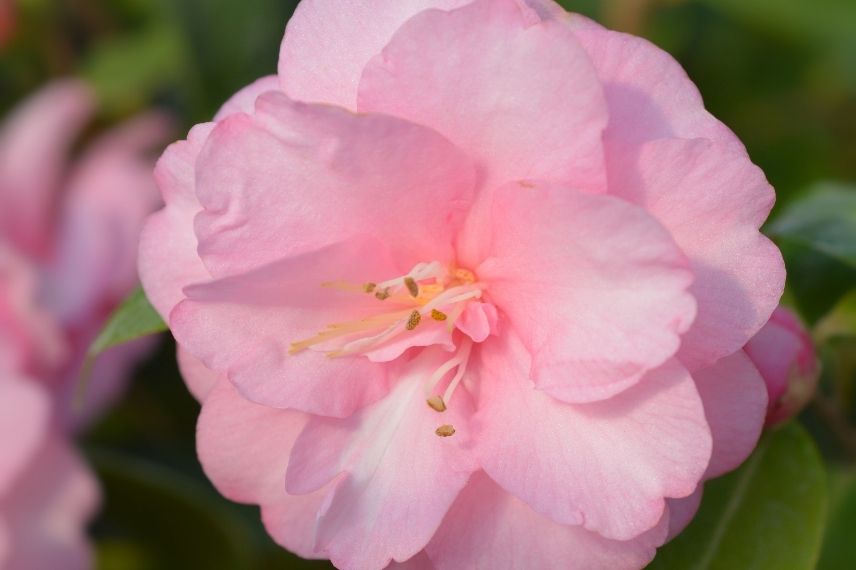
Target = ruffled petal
(200,379)
(489,528)
(244,101)
(296,177)
(258,315)
(168,260)
(328,43)
(517,93)
(244,449)
(595,287)
(648,93)
(713,200)
(735,404)
(394,478)
(608,466)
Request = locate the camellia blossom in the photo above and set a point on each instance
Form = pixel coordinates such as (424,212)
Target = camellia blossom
(785,356)
(465,285)
(67,257)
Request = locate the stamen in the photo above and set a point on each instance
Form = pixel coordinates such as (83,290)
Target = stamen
(369,287)
(436,403)
(412,286)
(382,294)
(445,430)
(414,319)
(438,315)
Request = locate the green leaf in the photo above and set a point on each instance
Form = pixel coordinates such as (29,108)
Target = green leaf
(128,70)
(135,318)
(824,220)
(839,548)
(840,322)
(767,515)
(156,517)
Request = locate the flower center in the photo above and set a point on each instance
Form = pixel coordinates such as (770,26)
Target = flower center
(428,291)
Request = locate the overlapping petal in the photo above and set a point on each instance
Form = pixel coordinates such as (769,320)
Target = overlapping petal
(331,175)
(712,199)
(494,71)
(328,43)
(489,528)
(607,466)
(595,287)
(394,478)
(259,314)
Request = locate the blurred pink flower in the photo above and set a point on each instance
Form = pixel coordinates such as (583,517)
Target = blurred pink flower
(75,231)
(784,354)
(525,221)
(67,257)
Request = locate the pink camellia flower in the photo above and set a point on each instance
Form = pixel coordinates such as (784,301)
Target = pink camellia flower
(466,286)
(67,257)
(785,356)
(76,229)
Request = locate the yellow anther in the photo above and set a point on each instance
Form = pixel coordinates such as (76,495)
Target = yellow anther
(412,286)
(445,431)
(438,315)
(436,403)
(414,319)
(382,294)
(369,287)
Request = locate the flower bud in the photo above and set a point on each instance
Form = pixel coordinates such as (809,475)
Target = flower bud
(785,356)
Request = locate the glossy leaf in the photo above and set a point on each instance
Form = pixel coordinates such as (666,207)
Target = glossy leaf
(767,515)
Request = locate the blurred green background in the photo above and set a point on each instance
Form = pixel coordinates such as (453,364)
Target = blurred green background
(780,73)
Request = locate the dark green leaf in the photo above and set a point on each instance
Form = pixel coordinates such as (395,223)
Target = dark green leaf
(839,548)
(167,519)
(824,220)
(767,515)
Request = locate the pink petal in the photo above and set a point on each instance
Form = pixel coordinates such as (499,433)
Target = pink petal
(735,403)
(199,378)
(607,466)
(24,416)
(713,200)
(594,286)
(34,144)
(517,93)
(30,338)
(648,93)
(244,101)
(244,449)
(258,315)
(167,259)
(328,43)
(110,194)
(682,511)
(489,528)
(49,510)
(396,478)
(418,562)
(478,321)
(296,177)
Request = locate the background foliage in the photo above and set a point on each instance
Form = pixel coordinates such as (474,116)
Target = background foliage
(780,73)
